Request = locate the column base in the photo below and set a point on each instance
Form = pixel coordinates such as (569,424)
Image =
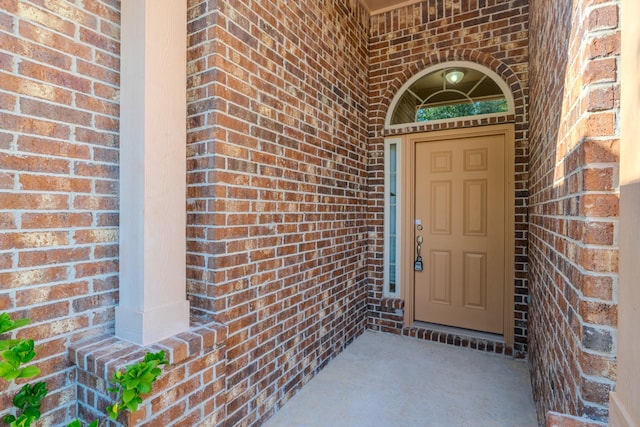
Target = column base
(151,326)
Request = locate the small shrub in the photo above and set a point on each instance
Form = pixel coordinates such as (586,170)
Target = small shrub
(130,385)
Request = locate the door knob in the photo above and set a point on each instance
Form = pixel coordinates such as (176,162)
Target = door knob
(418,265)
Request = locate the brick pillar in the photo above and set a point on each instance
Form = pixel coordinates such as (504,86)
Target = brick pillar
(153,301)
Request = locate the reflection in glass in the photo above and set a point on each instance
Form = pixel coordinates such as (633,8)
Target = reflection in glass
(435,97)
(393,173)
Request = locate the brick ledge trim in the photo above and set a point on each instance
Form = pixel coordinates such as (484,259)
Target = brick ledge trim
(387,315)
(395,303)
(103,355)
(459,123)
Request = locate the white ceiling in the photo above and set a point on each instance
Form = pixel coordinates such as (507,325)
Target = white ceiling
(378,6)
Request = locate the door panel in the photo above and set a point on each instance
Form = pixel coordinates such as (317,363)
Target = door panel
(475,280)
(441,207)
(460,198)
(440,279)
(475,207)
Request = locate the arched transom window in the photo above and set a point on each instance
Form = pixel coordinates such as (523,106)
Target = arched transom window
(450,91)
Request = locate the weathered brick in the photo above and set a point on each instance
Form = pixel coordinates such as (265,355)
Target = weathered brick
(29,13)
(28,49)
(21,240)
(54,184)
(605,17)
(7,181)
(54,112)
(52,256)
(573,319)
(34,126)
(44,99)
(52,147)
(50,293)
(21,278)
(55,220)
(34,201)
(285,184)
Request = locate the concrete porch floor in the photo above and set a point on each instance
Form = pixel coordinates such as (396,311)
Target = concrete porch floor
(393,381)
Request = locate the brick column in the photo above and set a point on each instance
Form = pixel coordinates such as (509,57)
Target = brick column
(153,301)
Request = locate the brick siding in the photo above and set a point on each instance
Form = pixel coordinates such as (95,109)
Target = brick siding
(276,192)
(59,115)
(190,392)
(277,188)
(575,92)
(404,42)
(286,105)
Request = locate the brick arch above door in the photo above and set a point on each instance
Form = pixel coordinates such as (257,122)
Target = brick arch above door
(506,73)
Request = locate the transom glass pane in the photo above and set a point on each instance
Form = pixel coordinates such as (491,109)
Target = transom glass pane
(449,93)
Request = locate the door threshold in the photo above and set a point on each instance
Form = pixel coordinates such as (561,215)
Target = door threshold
(460,337)
(461,332)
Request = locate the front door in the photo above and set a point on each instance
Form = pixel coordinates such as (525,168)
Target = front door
(460,219)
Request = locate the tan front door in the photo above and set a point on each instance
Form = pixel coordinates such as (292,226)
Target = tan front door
(460,215)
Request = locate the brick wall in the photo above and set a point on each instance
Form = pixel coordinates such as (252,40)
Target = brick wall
(277,191)
(277,196)
(59,66)
(574,204)
(404,42)
(285,186)
(190,392)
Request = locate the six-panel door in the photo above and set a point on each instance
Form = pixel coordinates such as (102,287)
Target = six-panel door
(460,212)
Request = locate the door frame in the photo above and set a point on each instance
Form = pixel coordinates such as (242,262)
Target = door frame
(406,216)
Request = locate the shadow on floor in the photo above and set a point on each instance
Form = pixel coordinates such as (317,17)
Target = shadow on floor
(393,381)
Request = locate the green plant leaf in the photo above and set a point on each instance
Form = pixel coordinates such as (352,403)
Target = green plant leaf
(8,419)
(11,357)
(29,372)
(7,344)
(144,388)
(11,375)
(24,349)
(23,421)
(136,379)
(7,324)
(113,411)
(5,369)
(128,395)
(29,398)
(32,411)
(133,405)
(131,384)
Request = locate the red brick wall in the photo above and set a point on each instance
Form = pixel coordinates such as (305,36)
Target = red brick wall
(277,188)
(59,66)
(285,182)
(190,392)
(404,42)
(574,204)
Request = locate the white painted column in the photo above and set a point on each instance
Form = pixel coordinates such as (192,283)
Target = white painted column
(153,301)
